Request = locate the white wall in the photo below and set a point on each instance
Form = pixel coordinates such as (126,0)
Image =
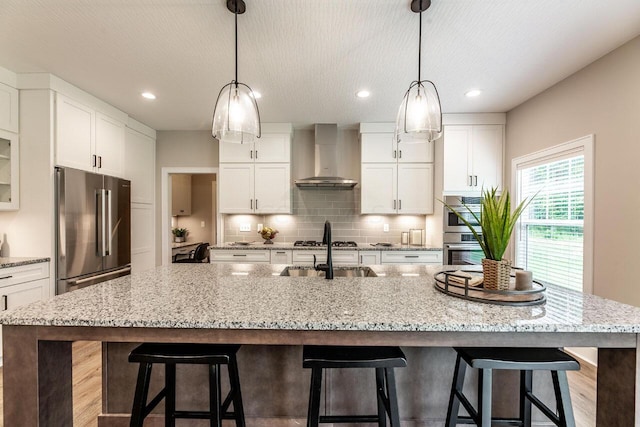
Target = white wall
(603,99)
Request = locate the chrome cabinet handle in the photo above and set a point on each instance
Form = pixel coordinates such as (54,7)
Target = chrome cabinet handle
(251,204)
(475,180)
(239,254)
(6,277)
(394,154)
(5,303)
(394,205)
(99,162)
(251,153)
(95,160)
(399,154)
(470,181)
(256,154)
(256,200)
(399,205)
(412,256)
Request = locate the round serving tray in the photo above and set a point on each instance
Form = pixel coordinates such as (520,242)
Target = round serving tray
(511,297)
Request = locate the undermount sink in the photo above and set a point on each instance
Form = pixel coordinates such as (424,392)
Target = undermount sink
(296,271)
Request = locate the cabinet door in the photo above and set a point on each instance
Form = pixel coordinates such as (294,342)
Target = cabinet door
(421,152)
(377,148)
(140,165)
(272,188)
(234,152)
(180,194)
(75,142)
(457,170)
(486,156)
(235,188)
(415,188)
(378,194)
(272,148)
(9,171)
(305,257)
(109,145)
(143,255)
(8,108)
(369,257)
(281,257)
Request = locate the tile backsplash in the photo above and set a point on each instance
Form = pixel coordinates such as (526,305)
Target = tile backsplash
(311,208)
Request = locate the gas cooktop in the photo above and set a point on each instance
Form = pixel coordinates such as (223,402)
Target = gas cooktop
(338,244)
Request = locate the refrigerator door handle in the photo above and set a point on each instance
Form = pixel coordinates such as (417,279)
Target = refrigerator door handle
(110,224)
(103,225)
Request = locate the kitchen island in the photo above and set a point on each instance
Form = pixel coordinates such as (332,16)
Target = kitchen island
(253,305)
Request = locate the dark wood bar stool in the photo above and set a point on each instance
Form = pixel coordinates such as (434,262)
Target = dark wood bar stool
(200,354)
(383,359)
(525,360)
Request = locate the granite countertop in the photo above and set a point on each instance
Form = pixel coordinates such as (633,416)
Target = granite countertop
(360,247)
(18,261)
(255,296)
(175,245)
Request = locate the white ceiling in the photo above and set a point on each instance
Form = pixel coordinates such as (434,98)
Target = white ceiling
(309,57)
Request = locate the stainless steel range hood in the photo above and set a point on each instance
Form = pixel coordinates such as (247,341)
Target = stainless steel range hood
(326,161)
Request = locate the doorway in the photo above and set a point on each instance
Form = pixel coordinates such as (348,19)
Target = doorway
(189,201)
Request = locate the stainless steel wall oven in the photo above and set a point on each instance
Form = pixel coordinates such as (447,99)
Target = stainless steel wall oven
(459,244)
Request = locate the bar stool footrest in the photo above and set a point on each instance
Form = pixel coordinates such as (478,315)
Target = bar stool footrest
(204,415)
(348,418)
(504,421)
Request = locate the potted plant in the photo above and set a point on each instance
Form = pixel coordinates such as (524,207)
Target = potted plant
(496,222)
(267,234)
(179,234)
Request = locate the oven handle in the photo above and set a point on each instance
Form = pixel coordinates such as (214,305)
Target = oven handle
(463,247)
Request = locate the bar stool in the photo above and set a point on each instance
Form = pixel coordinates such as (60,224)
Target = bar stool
(200,354)
(383,359)
(525,360)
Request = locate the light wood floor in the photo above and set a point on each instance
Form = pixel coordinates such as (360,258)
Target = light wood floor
(87,386)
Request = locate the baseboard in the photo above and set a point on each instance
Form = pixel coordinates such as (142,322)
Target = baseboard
(586,354)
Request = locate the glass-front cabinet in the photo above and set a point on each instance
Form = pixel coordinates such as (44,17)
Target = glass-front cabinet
(9,188)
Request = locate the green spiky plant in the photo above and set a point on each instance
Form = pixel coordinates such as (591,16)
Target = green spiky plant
(496,221)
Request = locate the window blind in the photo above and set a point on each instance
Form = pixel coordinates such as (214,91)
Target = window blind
(550,237)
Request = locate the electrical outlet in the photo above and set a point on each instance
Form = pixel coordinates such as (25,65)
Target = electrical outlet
(202,224)
(245,227)
(385,228)
(259,227)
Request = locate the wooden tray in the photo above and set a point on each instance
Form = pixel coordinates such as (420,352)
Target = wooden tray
(511,297)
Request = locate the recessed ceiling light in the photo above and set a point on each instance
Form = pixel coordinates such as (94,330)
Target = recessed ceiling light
(257,95)
(472,93)
(148,95)
(363,94)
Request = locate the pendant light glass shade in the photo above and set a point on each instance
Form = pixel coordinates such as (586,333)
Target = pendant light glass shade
(236,117)
(419,116)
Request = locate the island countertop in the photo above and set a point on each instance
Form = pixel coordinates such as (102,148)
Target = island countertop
(256,297)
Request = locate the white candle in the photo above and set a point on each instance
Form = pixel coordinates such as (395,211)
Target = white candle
(524,280)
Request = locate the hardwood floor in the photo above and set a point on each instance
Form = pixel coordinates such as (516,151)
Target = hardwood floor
(87,385)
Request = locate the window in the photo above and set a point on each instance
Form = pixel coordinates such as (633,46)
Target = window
(553,237)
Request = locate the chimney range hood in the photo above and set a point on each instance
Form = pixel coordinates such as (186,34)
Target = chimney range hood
(326,160)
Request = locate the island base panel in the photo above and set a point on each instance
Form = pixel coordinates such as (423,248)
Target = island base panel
(616,388)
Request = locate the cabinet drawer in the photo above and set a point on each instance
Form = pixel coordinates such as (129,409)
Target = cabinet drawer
(18,295)
(240,256)
(412,257)
(23,273)
(338,257)
(281,257)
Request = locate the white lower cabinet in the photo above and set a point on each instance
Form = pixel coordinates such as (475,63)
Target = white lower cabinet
(412,257)
(240,256)
(305,257)
(369,257)
(281,256)
(23,285)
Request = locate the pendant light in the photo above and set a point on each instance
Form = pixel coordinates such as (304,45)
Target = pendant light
(420,116)
(236,117)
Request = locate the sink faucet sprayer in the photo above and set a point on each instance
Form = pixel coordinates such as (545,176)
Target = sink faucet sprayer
(326,240)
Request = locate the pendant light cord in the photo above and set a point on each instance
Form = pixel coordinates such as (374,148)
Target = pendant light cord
(236,15)
(420,43)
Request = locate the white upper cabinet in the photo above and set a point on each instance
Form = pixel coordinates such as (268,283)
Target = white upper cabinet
(88,140)
(472,158)
(270,148)
(382,148)
(396,178)
(8,108)
(109,145)
(9,173)
(140,165)
(256,177)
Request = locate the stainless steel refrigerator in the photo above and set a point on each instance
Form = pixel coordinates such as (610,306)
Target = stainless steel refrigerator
(93,228)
